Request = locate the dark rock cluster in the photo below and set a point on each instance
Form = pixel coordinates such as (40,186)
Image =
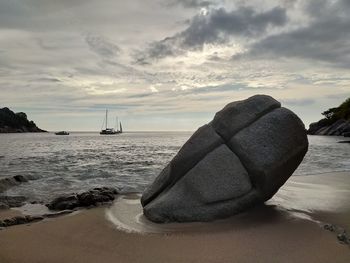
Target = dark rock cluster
(8,182)
(92,197)
(64,204)
(11,122)
(11,201)
(336,121)
(338,128)
(341,233)
(18,220)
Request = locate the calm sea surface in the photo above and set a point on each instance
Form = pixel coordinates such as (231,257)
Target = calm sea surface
(130,161)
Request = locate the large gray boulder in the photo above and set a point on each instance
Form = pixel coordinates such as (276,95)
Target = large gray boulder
(238,160)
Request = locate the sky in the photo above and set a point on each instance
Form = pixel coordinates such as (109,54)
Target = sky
(171,64)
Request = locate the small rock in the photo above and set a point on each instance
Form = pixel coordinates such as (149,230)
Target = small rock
(343,238)
(344,142)
(33,218)
(3,206)
(19,220)
(12,201)
(20,178)
(64,203)
(9,222)
(6,183)
(93,197)
(97,195)
(329,227)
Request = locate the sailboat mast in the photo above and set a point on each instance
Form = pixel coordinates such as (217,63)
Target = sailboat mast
(116,123)
(106,118)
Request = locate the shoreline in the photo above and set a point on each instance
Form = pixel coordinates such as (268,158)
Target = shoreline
(289,227)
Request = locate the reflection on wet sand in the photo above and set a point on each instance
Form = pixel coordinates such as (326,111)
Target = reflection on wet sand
(305,197)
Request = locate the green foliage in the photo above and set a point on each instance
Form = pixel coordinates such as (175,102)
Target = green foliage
(329,113)
(341,112)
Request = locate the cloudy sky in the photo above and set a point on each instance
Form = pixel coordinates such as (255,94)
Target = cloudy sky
(171,64)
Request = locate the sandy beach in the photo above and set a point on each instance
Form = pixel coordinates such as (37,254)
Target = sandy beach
(289,228)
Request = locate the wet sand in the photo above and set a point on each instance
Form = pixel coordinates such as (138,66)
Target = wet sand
(287,229)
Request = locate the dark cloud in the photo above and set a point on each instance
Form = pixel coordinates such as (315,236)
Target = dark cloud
(190,3)
(216,27)
(223,89)
(220,88)
(114,106)
(47,79)
(141,95)
(325,39)
(101,46)
(325,9)
(15,14)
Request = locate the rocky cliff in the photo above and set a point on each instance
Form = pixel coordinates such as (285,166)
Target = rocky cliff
(336,121)
(16,122)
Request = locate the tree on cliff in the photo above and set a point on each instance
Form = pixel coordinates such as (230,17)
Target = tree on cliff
(336,121)
(341,112)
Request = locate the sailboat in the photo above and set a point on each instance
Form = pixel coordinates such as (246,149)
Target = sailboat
(111,131)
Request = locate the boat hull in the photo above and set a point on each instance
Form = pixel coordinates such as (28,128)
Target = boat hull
(104,132)
(62,133)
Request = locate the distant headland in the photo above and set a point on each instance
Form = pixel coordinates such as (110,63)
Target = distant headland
(336,121)
(11,122)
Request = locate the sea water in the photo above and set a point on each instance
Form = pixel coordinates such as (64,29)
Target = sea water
(128,161)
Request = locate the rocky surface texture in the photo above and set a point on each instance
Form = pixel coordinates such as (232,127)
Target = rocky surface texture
(342,236)
(238,160)
(8,182)
(18,220)
(336,122)
(92,197)
(11,122)
(11,201)
(338,128)
(59,206)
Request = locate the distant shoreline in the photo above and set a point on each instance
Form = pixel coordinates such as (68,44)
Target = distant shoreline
(18,132)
